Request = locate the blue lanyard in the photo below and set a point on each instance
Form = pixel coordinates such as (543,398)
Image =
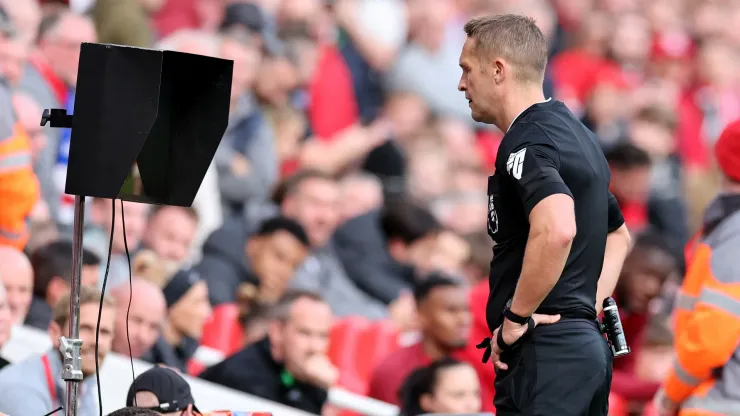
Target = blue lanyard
(64,138)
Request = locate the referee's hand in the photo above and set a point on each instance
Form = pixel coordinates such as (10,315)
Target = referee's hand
(512,333)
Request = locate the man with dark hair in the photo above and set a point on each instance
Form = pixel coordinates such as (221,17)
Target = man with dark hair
(133,411)
(260,268)
(559,233)
(52,277)
(630,169)
(411,235)
(384,253)
(277,250)
(444,320)
(290,365)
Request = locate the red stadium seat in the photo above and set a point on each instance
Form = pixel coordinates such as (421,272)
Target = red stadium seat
(376,342)
(195,368)
(344,343)
(618,406)
(348,413)
(357,346)
(222,332)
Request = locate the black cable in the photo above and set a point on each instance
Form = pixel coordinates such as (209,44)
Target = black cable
(54,411)
(100,307)
(130,297)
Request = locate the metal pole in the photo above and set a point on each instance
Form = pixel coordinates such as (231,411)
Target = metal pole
(70,348)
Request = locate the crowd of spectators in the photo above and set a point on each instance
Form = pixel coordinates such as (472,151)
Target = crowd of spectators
(351,182)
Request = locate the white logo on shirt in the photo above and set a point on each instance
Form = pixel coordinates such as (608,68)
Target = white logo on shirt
(515,163)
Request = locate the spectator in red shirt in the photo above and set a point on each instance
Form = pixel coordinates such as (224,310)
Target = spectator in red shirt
(444,319)
(479,330)
(648,266)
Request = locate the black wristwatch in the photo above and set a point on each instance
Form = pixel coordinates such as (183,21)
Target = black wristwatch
(521,320)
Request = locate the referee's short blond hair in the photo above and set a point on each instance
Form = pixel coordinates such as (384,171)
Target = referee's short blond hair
(516,39)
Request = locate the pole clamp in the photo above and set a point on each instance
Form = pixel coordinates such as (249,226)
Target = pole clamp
(72,359)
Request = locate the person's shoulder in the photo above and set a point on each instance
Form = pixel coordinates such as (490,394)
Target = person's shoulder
(524,134)
(549,117)
(530,130)
(19,399)
(255,357)
(20,376)
(39,314)
(724,241)
(399,359)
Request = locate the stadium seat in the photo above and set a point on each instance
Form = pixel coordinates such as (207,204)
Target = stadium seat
(344,342)
(222,332)
(376,342)
(618,406)
(372,342)
(348,413)
(195,368)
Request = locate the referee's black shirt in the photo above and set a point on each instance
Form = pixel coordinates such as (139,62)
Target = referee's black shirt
(548,151)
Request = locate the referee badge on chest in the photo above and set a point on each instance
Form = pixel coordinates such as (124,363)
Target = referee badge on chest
(492,216)
(492,219)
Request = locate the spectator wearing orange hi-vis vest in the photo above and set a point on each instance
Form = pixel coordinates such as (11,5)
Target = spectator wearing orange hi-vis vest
(705,379)
(19,188)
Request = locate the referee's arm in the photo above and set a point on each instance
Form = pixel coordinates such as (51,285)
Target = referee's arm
(549,205)
(617,247)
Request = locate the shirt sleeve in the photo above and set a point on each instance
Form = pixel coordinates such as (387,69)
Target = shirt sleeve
(20,400)
(616,219)
(7,114)
(534,167)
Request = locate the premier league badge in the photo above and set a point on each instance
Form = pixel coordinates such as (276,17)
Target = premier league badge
(492,217)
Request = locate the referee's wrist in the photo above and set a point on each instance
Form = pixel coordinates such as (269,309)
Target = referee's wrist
(515,318)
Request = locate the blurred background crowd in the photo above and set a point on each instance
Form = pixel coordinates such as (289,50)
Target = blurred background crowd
(339,238)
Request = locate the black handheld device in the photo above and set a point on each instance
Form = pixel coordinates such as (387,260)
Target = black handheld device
(611,325)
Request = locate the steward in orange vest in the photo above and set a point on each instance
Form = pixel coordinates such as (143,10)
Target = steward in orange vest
(705,379)
(19,187)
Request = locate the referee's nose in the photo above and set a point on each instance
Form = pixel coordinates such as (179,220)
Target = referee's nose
(461,86)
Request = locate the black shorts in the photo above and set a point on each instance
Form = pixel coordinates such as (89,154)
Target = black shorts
(563,369)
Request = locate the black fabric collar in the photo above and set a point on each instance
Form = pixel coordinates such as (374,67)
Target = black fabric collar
(722,207)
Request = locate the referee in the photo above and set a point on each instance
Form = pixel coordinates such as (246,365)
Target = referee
(559,234)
